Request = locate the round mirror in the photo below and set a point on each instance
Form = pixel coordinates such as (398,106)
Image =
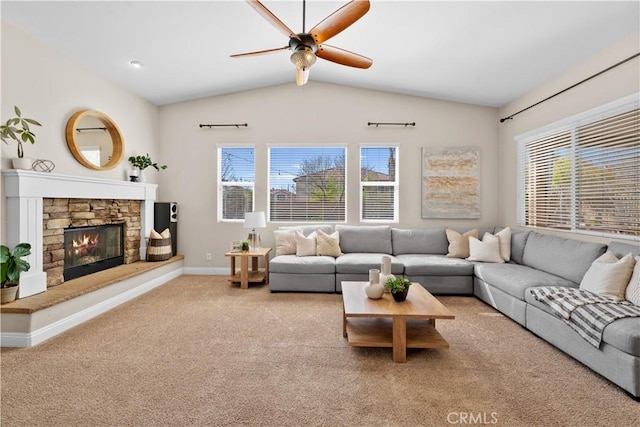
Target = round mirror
(94,140)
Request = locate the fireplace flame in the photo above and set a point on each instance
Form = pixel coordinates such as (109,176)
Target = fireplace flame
(85,245)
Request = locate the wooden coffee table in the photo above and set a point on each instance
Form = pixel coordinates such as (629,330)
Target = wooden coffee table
(387,323)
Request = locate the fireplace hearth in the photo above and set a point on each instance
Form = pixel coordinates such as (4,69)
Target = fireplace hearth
(91,249)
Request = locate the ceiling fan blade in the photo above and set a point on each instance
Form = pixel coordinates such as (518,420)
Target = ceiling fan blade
(344,57)
(339,20)
(302,76)
(273,19)
(259,52)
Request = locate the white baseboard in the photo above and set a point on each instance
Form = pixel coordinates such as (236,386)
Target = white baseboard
(207,271)
(14,339)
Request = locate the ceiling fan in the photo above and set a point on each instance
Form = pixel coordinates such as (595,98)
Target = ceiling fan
(307,46)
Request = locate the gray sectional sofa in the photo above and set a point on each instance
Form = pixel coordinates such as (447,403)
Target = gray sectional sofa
(536,260)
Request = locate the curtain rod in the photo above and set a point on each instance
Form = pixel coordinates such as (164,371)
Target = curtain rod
(571,87)
(390,124)
(237,125)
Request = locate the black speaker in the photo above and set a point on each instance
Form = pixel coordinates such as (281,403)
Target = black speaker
(165,215)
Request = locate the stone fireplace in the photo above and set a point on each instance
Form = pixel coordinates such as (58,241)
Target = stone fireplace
(41,205)
(62,216)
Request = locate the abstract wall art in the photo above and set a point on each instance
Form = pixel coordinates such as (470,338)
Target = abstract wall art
(451,182)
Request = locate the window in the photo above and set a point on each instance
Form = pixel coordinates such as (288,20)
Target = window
(583,175)
(378,183)
(307,184)
(236,182)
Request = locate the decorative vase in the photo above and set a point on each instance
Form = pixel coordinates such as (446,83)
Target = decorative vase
(374,290)
(385,271)
(374,276)
(134,175)
(22,163)
(400,296)
(8,294)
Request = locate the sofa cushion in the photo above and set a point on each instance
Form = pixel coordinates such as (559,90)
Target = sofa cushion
(361,263)
(518,242)
(505,242)
(308,265)
(328,244)
(285,242)
(621,249)
(623,334)
(419,241)
(305,246)
(632,293)
(365,239)
(609,276)
(485,250)
(435,265)
(459,242)
(569,259)
(514,279)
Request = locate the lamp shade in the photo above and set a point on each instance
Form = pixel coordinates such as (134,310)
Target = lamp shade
(254,220)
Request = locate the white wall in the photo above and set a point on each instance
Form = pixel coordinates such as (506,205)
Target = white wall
(49,87)
(614,84)
(317,113)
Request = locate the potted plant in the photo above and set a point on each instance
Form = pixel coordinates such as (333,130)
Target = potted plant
(11,265)
(244,245)
(399,288)
(140,163)
(17,128)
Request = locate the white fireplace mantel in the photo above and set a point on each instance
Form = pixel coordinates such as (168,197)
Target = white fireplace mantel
(24,191)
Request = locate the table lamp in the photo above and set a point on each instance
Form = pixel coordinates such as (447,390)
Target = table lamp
(254,220)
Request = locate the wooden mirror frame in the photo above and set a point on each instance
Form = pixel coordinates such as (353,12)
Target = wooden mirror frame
(117,152)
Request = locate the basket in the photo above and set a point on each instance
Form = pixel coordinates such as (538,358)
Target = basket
(159,247)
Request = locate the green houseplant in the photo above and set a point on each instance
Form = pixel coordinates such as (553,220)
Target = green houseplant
(140,163)
(11,265)
(17,129)
(399,288)
(143,162)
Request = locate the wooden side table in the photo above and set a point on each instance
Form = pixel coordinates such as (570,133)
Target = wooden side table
(246,276)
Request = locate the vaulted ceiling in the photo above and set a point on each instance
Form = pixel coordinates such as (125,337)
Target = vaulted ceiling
(479,52)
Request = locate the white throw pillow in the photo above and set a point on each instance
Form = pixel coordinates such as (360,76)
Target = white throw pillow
(459,243)
(633,288)
(505,242)
(608,275)
(305,246)
(285,242)
(328,244)
(487,250)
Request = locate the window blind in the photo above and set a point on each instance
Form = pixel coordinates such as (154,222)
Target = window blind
(608,174)
(584,176)
(307,184)
(378,184)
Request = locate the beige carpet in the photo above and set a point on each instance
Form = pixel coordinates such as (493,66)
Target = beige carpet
(197,351)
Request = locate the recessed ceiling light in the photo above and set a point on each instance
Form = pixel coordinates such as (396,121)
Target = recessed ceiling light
(136,64)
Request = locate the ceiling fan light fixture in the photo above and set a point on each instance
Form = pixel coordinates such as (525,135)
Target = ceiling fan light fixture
(302,76)
(303,58)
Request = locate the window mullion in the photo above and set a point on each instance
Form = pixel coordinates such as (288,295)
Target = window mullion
(574,178)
